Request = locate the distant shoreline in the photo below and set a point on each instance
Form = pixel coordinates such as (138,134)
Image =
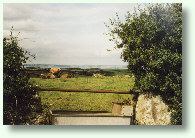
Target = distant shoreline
(75,66)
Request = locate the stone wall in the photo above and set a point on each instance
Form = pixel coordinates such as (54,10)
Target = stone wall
(151,110)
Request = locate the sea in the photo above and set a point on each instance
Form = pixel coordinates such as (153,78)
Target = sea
(75,66)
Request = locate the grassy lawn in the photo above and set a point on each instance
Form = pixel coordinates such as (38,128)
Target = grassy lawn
(107,83)
(83,101)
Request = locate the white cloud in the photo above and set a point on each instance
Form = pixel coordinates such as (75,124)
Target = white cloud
(65,33)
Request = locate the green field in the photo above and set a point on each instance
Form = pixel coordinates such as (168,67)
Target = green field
(34,73)
(53,100)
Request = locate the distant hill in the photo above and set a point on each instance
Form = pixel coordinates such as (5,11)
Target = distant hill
(75,66)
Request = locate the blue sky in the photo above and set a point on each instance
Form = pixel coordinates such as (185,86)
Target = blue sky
(65,33)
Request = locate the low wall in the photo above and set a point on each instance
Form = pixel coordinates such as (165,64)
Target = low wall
(88,118)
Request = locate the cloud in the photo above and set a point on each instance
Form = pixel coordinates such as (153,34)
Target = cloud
(16,12)
(65,33)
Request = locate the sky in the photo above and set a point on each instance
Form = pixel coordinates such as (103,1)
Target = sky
(69,34)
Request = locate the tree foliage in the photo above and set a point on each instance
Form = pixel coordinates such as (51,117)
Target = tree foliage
(151,40)
(18,100)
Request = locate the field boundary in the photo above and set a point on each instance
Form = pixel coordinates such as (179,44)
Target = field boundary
(87,90)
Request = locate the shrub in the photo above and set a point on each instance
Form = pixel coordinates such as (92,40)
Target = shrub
(151,40)
(18,94)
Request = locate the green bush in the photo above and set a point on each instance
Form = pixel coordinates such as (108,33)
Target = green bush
(151,40)
(18,94)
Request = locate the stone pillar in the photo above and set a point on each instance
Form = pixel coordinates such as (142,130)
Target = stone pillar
(151,110)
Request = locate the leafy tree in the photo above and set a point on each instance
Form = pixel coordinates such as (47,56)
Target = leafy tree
(18,94)
(151,40)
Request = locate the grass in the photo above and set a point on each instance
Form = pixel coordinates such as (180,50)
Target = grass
(80,101)
(107,83)
(79,72)
(83,101)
